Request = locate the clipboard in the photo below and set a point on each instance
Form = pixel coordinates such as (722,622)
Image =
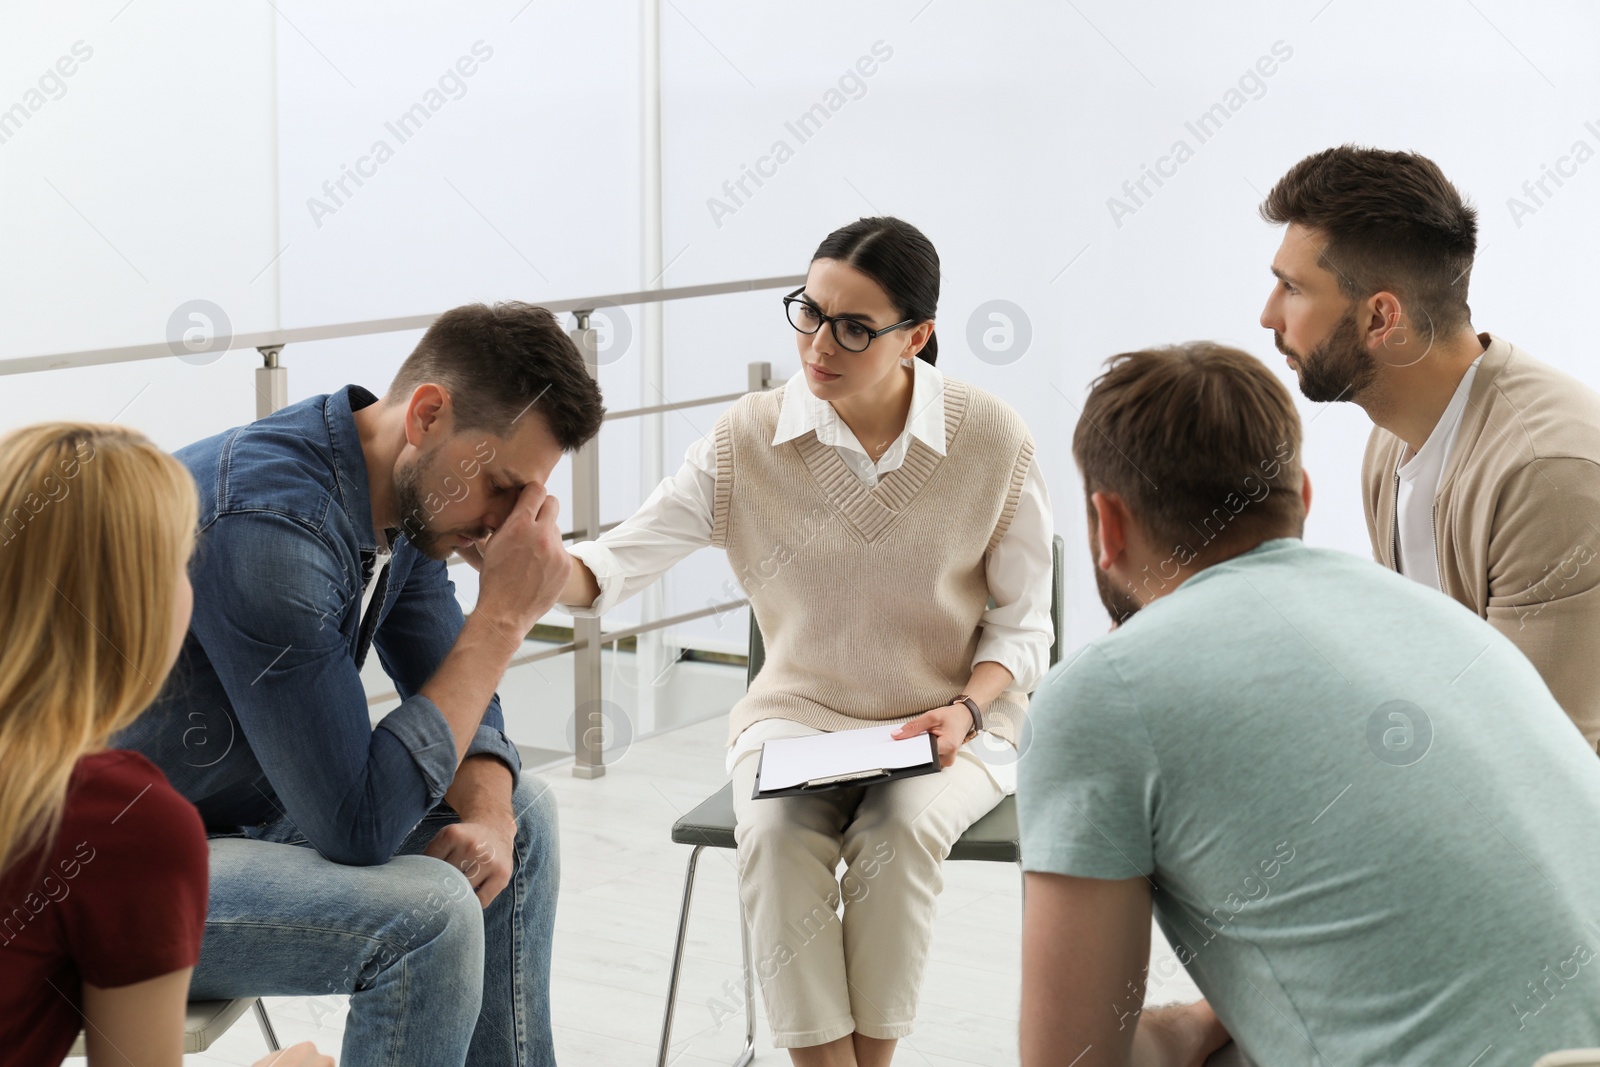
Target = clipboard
(841,759)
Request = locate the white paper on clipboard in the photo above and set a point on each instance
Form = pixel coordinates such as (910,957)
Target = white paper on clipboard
(793,761)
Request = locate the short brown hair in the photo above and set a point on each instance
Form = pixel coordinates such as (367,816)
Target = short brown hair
(497,362)
(1200,441)
(1392,221)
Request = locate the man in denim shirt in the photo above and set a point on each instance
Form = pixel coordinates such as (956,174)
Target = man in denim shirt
(406,865)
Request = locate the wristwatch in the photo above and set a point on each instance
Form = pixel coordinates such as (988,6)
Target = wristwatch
(977,716)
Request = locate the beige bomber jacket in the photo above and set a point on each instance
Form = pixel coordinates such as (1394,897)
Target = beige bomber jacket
(1517,518)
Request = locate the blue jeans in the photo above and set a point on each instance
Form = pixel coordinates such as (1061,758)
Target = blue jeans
(433,978)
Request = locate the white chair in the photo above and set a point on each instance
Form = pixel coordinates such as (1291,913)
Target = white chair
(1572,1057)
(208,1020)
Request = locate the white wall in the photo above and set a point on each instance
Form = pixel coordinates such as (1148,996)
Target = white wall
(146,179)
(194,137)
(1489,90)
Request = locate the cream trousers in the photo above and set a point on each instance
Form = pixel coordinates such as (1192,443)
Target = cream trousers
(823,977)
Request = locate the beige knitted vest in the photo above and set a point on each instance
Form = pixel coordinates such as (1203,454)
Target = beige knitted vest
(869,600)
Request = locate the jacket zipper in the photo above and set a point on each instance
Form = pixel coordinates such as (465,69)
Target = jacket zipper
(1433,531)
(1394,528)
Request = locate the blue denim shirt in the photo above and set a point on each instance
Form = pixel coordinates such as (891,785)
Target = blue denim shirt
(265,715)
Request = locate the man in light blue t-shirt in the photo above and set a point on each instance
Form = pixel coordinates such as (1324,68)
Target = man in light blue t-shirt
(1364,824)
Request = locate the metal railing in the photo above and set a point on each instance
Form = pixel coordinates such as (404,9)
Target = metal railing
(588,639)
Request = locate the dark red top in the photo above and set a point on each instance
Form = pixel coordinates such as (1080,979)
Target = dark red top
(121,900)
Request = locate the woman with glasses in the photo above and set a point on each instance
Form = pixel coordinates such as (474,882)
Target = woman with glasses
(892,532)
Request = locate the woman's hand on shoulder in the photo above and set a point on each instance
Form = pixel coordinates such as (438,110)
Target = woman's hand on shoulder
(950,724)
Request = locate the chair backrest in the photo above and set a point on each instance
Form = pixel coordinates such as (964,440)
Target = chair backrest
(204,1022)
(1576,1057)
(758,650)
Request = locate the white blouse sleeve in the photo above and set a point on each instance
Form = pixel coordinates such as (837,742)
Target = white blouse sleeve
(1017,632)
(672,523)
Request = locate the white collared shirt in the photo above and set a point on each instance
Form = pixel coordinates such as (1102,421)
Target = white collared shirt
(676,520)
(803,411)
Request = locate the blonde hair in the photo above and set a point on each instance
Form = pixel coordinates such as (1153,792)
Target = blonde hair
(96,524)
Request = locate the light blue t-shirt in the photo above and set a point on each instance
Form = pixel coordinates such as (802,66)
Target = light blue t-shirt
(1373,835)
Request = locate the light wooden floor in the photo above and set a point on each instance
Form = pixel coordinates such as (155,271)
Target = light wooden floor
(621,885)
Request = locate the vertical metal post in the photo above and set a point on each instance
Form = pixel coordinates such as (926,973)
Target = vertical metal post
(759,377)
(272,382)
(588,736)
(650,656)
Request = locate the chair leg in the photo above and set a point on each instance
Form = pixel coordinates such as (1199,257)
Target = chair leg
(677,958)
(266,1026)
(749,1052)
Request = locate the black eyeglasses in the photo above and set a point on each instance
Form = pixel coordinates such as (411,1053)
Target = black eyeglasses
(851,335)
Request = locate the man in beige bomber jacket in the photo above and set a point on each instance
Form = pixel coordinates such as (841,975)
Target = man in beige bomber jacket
(1516,517)
(1482,474)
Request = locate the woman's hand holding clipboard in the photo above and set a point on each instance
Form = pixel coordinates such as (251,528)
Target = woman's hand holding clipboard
(798,765)
(950,725)
(794,766)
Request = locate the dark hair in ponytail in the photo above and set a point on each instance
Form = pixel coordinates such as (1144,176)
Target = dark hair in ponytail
(897,256)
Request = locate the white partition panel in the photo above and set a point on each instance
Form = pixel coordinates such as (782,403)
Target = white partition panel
(1090,173)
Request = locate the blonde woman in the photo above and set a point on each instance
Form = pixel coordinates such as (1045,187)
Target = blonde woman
(102,865)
